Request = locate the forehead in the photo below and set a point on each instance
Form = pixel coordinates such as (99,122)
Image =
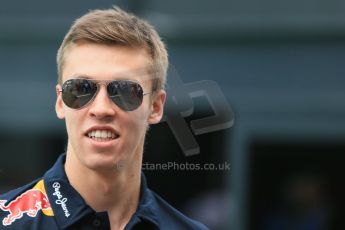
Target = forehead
(101,61)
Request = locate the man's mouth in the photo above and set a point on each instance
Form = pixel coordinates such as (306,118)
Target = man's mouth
(102,135)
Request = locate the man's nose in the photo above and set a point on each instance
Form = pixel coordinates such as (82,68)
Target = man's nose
(102,106)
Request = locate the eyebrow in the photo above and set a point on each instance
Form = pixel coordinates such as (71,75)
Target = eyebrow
(82,76)
(86,77)
(122,75)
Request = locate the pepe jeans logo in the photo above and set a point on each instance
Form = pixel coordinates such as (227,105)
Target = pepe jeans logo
(60,199)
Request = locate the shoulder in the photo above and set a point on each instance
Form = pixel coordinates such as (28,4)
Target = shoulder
(24,206)
(170,216)
(12,194)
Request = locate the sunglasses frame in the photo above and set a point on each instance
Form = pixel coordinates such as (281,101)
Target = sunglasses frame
(98,84)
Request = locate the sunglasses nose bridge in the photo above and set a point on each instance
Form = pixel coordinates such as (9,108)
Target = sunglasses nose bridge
(102,86)
(102,83)
(101,106)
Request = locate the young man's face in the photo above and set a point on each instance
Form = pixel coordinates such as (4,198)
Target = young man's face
(108,62)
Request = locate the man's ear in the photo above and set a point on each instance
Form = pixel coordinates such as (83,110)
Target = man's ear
(59,103)
(157,107)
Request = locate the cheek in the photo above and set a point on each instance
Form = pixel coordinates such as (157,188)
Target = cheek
(72,123)
(141,115)
(135,123)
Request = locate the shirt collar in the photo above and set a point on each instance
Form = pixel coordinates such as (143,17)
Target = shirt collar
(148,207)
(69,207)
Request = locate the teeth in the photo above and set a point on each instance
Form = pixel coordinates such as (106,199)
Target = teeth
(99,135)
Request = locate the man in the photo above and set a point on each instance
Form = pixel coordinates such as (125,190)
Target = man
(112,70)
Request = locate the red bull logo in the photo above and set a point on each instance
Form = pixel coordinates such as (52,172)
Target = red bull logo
(29,203)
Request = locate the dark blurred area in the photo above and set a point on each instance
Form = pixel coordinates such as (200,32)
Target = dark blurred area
(294,186)
(280,65)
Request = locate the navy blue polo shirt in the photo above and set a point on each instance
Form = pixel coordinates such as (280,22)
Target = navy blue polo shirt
(52,203)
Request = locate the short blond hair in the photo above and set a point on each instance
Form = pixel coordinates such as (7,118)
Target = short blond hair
(115,26)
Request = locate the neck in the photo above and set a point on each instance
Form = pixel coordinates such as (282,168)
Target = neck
(116,192)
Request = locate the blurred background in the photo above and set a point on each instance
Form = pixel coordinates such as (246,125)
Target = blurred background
(280,65)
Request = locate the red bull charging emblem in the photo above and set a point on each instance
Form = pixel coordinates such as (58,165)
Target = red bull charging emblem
(29,203)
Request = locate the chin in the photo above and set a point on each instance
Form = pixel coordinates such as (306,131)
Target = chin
(104,163)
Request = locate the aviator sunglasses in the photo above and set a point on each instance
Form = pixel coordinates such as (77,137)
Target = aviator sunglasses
(127,95)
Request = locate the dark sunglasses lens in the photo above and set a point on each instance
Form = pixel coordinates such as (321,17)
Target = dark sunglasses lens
(76,93)
(126,94)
